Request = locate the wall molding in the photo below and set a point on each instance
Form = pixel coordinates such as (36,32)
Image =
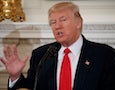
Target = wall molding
(30,36)
(104,32)
(42,33)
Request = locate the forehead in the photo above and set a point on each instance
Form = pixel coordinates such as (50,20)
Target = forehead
(58,14)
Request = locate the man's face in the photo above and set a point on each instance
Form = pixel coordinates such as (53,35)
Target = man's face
(66,27)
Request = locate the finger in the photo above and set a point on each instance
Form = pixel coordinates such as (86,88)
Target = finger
(10,53)
(15,50)
(3,61)
(5,52)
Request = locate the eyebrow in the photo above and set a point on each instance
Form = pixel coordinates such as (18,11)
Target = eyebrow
(62,17)
(51,20)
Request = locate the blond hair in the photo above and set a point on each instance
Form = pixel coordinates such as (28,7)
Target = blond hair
(64,5)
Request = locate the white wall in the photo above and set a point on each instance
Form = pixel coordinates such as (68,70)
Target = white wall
(92,11)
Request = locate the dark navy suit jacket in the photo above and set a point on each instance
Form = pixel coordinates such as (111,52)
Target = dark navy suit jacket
(95,70)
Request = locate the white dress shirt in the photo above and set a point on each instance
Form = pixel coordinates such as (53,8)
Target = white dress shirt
(74,57)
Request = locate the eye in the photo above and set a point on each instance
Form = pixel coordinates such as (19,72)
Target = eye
(52,22)
(63,19)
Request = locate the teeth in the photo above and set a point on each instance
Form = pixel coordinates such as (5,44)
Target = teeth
(59,33)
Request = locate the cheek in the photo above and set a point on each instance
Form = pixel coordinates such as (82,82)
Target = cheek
(69,33)
(70,29)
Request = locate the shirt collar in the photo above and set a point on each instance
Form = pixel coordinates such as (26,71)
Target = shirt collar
(75,47)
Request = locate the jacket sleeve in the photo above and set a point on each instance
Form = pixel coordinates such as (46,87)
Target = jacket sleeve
(109,76)
(19,84)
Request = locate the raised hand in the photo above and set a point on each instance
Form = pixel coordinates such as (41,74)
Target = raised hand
(14,65)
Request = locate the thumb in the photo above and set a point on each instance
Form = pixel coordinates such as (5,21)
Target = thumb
(25,58)
(3,61)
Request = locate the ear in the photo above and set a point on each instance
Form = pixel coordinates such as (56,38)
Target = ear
(78,23)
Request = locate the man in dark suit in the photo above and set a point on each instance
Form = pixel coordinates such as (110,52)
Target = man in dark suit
(92,64)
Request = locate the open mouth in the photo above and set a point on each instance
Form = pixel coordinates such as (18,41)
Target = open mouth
(59,33)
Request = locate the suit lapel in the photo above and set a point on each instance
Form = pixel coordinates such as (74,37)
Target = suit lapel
(84,65)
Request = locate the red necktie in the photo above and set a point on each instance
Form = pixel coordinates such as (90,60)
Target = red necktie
(65,73)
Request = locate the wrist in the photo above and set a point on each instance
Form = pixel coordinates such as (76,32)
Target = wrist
(14,77)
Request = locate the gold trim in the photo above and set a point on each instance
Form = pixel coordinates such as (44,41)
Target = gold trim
(11,9)
(22,89)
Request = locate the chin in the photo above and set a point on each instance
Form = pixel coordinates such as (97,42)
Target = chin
(60,41)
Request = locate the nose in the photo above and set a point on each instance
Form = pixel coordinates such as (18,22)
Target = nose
(58,25)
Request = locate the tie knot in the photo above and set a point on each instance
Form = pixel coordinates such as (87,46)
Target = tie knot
(66,51)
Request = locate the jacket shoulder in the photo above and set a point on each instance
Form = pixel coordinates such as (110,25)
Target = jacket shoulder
(101,47)
(44,48)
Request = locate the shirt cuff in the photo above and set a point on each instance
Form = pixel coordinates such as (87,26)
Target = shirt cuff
(12,83)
